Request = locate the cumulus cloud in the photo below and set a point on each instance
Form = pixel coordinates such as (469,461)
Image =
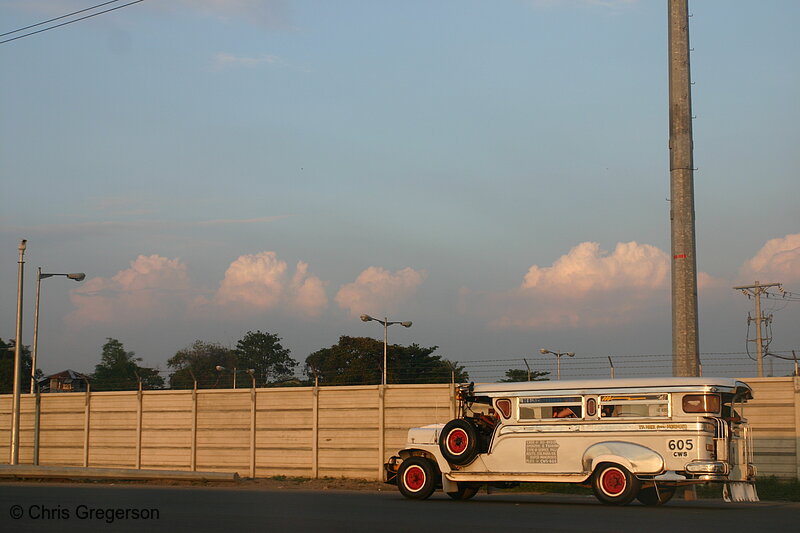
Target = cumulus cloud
(156,288)
(378,290)
(153,288)
(586,287)
(777,261)
(261,281)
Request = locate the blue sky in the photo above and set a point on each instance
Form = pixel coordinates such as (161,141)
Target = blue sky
(496,172)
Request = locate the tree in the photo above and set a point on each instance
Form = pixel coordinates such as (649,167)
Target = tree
(264,353)
(514,375)
(202,359)
(118,370)
(359,361)
(7,367)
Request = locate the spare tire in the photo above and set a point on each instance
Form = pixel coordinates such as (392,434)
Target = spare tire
(458,442)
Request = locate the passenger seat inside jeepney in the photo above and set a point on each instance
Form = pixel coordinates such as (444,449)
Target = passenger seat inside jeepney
(607,410)
(566,412)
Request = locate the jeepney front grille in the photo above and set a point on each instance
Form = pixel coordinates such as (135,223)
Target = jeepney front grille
(721,439)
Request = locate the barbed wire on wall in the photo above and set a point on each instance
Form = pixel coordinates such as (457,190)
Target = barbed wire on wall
(718,364)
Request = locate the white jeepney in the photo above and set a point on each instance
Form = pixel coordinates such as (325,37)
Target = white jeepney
(627,438)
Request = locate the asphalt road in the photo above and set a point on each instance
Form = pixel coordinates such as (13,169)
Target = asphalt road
(87,508)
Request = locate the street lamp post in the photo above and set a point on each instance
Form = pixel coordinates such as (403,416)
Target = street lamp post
(77,276)
(250,371)
(558,359)
(386,324)
(17,358)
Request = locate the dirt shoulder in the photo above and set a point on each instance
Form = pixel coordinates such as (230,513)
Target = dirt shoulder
(273,483)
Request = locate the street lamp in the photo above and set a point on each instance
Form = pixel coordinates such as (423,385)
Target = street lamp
(17,357)
(558,359)
(386,324)
(77,276)
(251,371)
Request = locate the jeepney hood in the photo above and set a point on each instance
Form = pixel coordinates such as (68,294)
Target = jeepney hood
(425,435)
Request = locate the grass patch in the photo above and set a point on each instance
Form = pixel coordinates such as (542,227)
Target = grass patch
(773,488)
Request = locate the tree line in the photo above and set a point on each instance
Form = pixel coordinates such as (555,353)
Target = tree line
(259,358)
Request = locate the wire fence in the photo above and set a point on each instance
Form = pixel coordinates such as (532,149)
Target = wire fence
(592,366)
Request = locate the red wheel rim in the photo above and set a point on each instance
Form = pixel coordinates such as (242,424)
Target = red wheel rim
(414,478)
(457,441)
(613,482)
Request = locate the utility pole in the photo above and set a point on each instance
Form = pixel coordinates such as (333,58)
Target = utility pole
(17,359)
(757,289)
(685,338)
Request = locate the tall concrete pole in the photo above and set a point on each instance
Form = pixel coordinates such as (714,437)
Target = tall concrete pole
(17,359)
(685,351)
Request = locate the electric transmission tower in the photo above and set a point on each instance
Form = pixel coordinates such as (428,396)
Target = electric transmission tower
(756,290)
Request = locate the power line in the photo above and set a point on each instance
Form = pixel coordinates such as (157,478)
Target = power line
(58,18)
(67,22)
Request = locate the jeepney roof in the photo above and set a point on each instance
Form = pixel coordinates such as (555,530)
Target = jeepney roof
(588,386)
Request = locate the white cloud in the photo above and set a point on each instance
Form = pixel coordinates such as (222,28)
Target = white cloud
(222,60)
(777,261)
(260,281)
(586,287)
(153,288)
(377,290)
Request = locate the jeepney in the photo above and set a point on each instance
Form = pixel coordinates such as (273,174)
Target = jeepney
(626,438)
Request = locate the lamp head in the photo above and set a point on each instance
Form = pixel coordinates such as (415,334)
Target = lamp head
(406,324)
(220,368)
(543,351)
(77,276)
(571,354)
(366,318)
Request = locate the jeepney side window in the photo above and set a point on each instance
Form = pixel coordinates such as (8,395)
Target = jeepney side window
(634,405)
(551,408)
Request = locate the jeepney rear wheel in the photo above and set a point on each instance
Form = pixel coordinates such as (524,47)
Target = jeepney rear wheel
(416,478)
(613,484)
(458,442)
(651,496)
(465,491)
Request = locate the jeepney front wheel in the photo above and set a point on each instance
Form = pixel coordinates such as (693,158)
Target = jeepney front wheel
(416,478)
(458,442)
(656,496)
(614,485)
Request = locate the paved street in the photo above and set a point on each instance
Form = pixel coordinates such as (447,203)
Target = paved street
(92,507)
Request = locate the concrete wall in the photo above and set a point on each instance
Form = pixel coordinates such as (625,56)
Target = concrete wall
(303,431)
(306,431)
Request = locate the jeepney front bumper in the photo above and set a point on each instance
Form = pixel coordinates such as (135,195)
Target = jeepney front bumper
(708,470)
(390,469)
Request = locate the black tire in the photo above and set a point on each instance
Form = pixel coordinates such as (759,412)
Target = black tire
(614,484)
(416,478)
(465,491)
(651,496)
(458,442)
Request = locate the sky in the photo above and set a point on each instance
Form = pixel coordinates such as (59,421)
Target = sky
(495,172)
